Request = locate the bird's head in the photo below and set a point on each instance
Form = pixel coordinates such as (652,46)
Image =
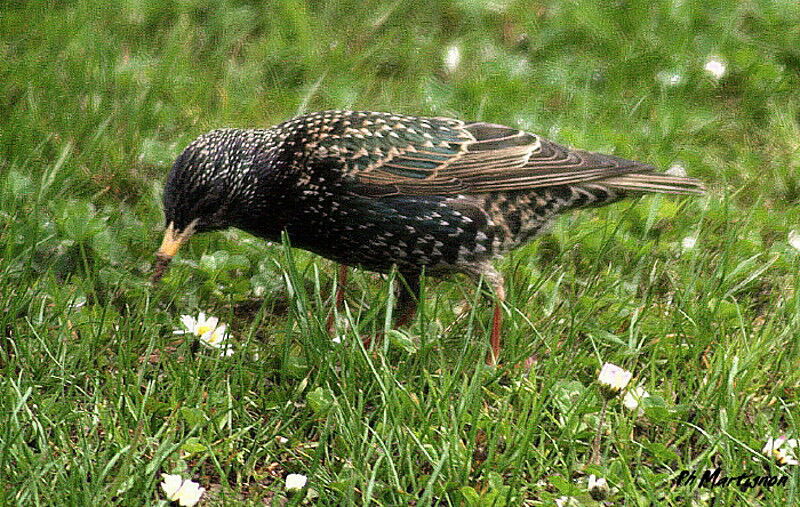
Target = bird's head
(206,188)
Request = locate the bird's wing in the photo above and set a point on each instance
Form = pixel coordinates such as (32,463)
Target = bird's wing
(395,154)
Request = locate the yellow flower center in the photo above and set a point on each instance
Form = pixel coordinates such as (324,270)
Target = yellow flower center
(201,330)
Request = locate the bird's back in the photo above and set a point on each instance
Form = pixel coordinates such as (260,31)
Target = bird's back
(378,189)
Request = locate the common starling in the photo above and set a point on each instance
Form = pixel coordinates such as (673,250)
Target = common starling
(378,190)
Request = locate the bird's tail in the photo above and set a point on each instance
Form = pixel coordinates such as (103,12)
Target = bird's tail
(653,182)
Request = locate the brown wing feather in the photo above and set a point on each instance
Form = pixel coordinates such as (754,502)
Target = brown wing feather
(484,157)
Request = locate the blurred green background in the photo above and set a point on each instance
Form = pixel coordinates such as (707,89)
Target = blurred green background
(126,87)
(97,99)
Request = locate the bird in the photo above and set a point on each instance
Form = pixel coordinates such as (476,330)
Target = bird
(384,191)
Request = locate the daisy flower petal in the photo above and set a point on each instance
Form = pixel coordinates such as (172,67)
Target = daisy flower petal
(171,485)
(295,482)
(613,379)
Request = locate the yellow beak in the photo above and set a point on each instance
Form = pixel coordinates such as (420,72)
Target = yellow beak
(173,239)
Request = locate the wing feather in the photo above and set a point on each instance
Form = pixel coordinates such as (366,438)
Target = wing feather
(393,154)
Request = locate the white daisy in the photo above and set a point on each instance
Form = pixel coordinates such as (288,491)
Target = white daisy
(632,399)
(782,450)
(613,379)
(199,326)
(716,67)
(186,492)
(215,338)
(211,333)
(295,482)
(598,487)
(794,239)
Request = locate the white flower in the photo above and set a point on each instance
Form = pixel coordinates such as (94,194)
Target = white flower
(676,170)
(782,450)
(716,67)
(199,326)
(567,501)
(598,487)
(215,338)
(775,443)
(689,242)
(613,379)
(633,398)
(336,339)
(211,333)
(171,484)
(783,457)
(794,239)
(295,482)
(187,493)
(452,58)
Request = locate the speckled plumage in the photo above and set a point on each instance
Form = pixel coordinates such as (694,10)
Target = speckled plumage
(379,189)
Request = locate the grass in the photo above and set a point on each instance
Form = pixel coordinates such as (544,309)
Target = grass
(98,397)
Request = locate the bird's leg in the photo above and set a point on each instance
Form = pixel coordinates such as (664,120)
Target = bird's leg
(341,282)
(497,323)
(490,275)
(407,300)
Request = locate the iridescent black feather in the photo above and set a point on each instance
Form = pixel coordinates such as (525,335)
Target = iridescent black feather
(379,189)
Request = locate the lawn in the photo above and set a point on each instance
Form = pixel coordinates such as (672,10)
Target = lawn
(697,297)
